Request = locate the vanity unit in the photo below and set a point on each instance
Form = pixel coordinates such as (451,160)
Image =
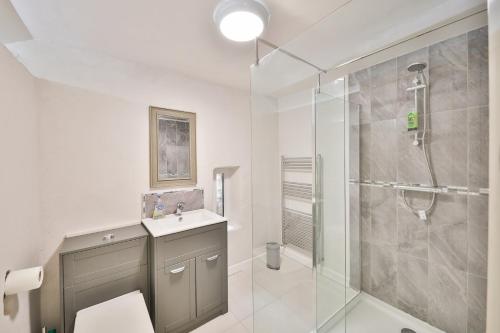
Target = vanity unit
(100,266)
(188,269)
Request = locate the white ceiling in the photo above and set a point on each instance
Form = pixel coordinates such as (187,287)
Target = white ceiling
(175,35)
(356,29)
(11,27)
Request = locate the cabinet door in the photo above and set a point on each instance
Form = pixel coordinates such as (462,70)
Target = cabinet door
(176,295)
(211,281)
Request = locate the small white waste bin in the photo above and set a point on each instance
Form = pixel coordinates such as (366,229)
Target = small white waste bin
(273,255)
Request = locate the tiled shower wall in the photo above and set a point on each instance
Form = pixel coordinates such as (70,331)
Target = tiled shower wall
(436,271)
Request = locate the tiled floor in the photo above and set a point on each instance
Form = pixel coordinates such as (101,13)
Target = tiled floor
(284,299)
(285,302)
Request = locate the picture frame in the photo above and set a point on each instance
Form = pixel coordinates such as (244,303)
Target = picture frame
(172,148)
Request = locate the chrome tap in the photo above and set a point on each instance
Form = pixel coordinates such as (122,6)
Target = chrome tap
(180,208)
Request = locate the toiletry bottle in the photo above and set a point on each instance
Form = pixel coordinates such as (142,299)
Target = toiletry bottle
(159,210)
(412,120)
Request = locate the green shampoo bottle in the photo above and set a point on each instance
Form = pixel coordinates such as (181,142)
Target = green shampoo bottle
(412,120)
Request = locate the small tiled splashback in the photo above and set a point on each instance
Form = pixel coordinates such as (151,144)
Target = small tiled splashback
(192,198)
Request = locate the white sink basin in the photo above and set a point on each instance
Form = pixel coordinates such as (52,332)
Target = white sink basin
(172,223)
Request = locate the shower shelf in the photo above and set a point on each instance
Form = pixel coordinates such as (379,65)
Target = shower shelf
(461,190)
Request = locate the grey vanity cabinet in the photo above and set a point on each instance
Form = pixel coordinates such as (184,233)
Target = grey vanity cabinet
(189,281)
(210,282)
(176,290)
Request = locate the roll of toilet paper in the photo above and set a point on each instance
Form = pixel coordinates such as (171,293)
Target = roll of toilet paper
(23,280)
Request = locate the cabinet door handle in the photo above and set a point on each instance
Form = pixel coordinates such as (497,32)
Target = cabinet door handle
(212,258)
(178,270)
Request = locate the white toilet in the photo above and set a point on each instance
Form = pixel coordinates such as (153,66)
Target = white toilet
(124,314)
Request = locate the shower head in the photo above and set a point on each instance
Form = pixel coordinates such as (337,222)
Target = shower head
(417,67)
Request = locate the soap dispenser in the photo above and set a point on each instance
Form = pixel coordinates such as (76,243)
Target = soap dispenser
(159,210)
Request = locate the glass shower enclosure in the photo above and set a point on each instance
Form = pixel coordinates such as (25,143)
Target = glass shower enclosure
(333,156)
(300,150)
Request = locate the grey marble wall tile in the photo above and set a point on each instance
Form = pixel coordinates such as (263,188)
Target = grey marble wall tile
(383,151)
(478,211)
(448,245)
(478,127)
(447,301)
(449,209)
(365,151)
(355,236)
(366,267)
(384,102)
(383,212)
(384,91)
(413,233)
(354,151)
(478,67)
(355,265)
(406,99)
(383,273)
(383,73)
(365,213)
(412,167)
(398,251)
(193,200)
(359,94)
(355,210)
(477,254)
(448,147)
(448,74)
(354,113)
(412,286)
(476,300)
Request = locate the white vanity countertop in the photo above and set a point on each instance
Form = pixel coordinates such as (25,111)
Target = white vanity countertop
(172,223)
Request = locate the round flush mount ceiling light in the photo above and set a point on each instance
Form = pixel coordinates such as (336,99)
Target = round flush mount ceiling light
(241,20)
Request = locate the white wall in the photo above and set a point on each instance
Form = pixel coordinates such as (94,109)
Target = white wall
(296,125)
(20,229)
(493,320)
(95,163)
(85,140)
(265,172)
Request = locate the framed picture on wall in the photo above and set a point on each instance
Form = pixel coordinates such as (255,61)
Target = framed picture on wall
(172,148)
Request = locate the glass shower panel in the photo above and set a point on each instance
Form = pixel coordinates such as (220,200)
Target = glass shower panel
(282,175)
(329,208)
(337,232)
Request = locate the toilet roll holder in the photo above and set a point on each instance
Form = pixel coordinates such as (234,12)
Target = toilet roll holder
(40,274)
(5,280)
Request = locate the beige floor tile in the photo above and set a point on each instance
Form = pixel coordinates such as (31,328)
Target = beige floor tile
(218,325)
(276,318)
(238,328)
(248,323)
